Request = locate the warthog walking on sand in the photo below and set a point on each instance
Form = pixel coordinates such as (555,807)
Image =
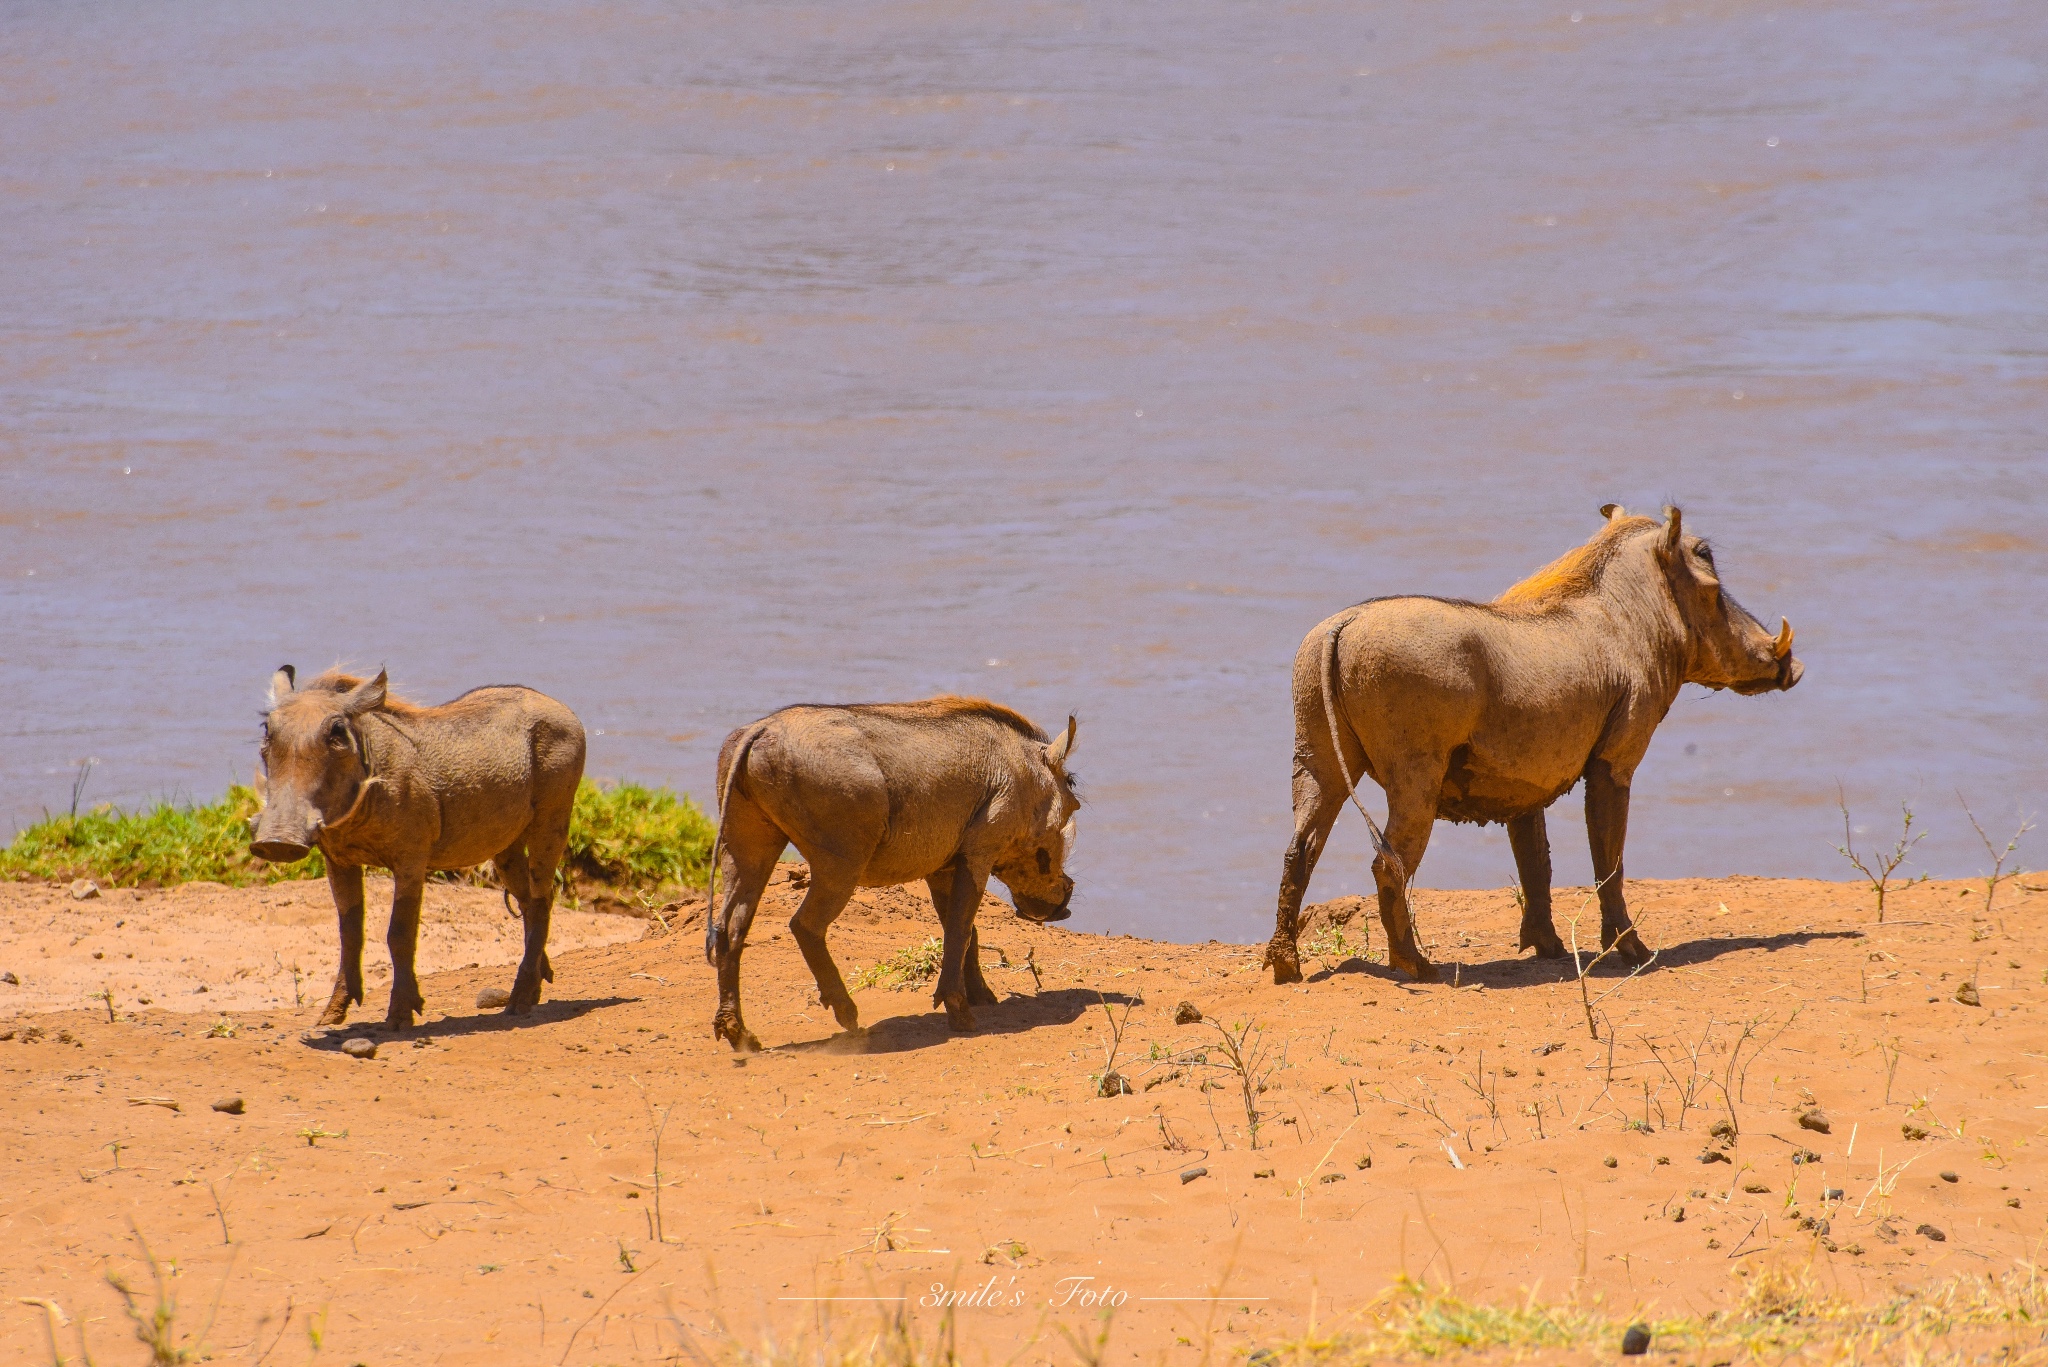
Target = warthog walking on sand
(368,778)
(1492,711)
(950,790)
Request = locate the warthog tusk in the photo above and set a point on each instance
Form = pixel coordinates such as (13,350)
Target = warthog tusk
(1783,646)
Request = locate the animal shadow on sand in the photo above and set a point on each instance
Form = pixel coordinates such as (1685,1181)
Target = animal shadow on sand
(328,1039)
(1013,1015)
(1531,972)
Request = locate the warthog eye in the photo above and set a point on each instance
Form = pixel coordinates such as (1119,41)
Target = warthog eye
(337,732)
(1044,861)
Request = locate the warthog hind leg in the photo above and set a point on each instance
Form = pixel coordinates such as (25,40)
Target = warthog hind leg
(1531,844)
(752,846)
(823,901)
(1318,801)
(1410,816)
(403,938)
(529,875)
(346,884)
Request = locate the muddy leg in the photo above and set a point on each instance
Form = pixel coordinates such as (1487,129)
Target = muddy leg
(1607,832)
(1317,805)
(403,938)
(823,901)
(347,886)
(964,897)
(542,852)
(979,993)
(1531,844)
(1409,819)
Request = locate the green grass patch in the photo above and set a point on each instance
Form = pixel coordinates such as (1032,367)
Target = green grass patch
(628,837)
(167,844)
(622,837)
(911,966)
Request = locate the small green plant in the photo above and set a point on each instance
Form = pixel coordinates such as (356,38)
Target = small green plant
(222,1029)
(1878,868)
(164,845)
(1329,948)
(313,1134)
(909,967)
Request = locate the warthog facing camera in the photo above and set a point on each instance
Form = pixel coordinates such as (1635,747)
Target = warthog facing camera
(370,779)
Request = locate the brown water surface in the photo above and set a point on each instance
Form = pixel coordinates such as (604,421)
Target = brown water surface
(689,360)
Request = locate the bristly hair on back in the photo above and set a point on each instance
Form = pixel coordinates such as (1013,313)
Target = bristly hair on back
(1577,571)
(955,705)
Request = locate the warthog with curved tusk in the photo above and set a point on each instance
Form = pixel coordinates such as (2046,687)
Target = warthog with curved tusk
(949,790)
(1492,711)
(371,779)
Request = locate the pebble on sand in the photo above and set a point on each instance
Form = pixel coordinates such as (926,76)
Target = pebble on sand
(1967,995)
(1815,1120)
(1636,1341)
(359,1048)
(493,999)
(1931,1232)
(84,889)
(229,1105)
(1187,1013)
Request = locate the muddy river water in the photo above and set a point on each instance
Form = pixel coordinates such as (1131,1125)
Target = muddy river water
(687,360)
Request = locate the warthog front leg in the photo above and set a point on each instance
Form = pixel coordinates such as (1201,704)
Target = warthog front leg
(979,993)
(1531,844)
(1607,832)
(964,899)
(346,884)
(403,938)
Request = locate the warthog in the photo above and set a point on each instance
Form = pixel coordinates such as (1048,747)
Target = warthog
(368,778)
(950,790)
(1492,711)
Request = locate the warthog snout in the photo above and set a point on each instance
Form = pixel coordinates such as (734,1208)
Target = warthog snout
(279,851)
(1033,909)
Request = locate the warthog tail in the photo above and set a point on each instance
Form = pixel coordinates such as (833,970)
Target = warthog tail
(714,925)
(1331,683)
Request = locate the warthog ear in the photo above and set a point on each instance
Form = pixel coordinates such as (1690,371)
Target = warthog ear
(365,697)
(1611,511)
(1674,528)
(1056,754)
(282,683)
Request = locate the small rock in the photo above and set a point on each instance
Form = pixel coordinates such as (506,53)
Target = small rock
(199,989)
(1330,1177)
(229,1105)
(1756,1188)
(1114,1084)
(1636,1341)
(1263,1172)
(1815,1120)
(1714,1156)
(493,999)
(2013,1201)
(1950,1177)
(1610,1162)
(1259,1358)
(1854,1250)
(1191,1174)
(10,979)
(1187,1013)
(1543,1050)
(1823,1228)
(1678,1215)
(1723,1130)
(359,1048)
(1365,1161)
(1800,1156)
(84,890)
(1912,1131)
(1663,1160)
(1831,1193)
(1932,1233)
(1966,994)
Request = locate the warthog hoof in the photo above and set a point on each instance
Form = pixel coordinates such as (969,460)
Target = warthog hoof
(729,1029)
(981,994)
(1285,963)
(1630,949)
(525,996)
(958,1014)
(848,1016)
(1422,970)
(1545,943)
